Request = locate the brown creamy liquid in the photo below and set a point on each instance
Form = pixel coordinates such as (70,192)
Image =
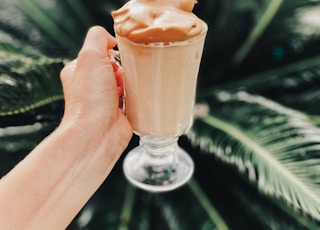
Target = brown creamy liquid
(160,84)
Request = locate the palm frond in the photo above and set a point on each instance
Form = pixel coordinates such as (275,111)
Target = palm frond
(28,85)
(276,147)
(27,81)
(46,23)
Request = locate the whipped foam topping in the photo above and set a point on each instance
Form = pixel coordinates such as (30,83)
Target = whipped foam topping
(153,21)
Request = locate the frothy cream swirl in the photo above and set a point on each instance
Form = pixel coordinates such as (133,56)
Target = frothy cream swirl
(152,21)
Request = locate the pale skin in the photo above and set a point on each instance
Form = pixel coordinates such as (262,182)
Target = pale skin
(50,186)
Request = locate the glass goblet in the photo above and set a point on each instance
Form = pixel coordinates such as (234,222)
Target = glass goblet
(160,86)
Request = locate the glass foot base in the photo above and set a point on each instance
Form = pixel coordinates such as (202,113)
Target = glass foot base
(157,166)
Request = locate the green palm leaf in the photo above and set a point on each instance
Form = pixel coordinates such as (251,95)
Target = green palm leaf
(24,74)
(276,147)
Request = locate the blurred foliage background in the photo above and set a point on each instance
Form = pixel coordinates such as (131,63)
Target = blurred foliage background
(257,149)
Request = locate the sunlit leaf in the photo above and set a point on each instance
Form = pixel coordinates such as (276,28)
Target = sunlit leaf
(276,147)
(26,84)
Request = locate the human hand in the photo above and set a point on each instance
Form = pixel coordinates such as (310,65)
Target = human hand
(92,85)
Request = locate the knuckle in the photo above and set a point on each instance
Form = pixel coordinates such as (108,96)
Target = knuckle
(89,53)
(67,70)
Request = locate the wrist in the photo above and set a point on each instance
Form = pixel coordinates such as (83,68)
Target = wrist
(92,135)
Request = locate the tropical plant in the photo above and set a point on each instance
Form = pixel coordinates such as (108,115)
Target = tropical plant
(256,138)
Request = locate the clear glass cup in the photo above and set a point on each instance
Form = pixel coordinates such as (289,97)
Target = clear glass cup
(160,87)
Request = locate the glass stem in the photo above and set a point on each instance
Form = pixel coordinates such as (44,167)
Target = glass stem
(160,157)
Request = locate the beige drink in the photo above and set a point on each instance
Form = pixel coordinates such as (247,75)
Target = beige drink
(160,84)
(160,44)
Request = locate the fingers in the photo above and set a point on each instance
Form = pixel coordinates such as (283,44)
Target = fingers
(119,78)
(98,37)
(95,47)
(93,70)
(94,50)
(93,55)
(68,70)
(120,83)
(92,84)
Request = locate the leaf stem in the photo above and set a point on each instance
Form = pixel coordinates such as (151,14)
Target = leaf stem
(257,31)
(47,25)
(206,204)
(37,104)
(81,12)
(127,208)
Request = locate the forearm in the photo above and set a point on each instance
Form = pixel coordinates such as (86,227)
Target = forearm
(48,188)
